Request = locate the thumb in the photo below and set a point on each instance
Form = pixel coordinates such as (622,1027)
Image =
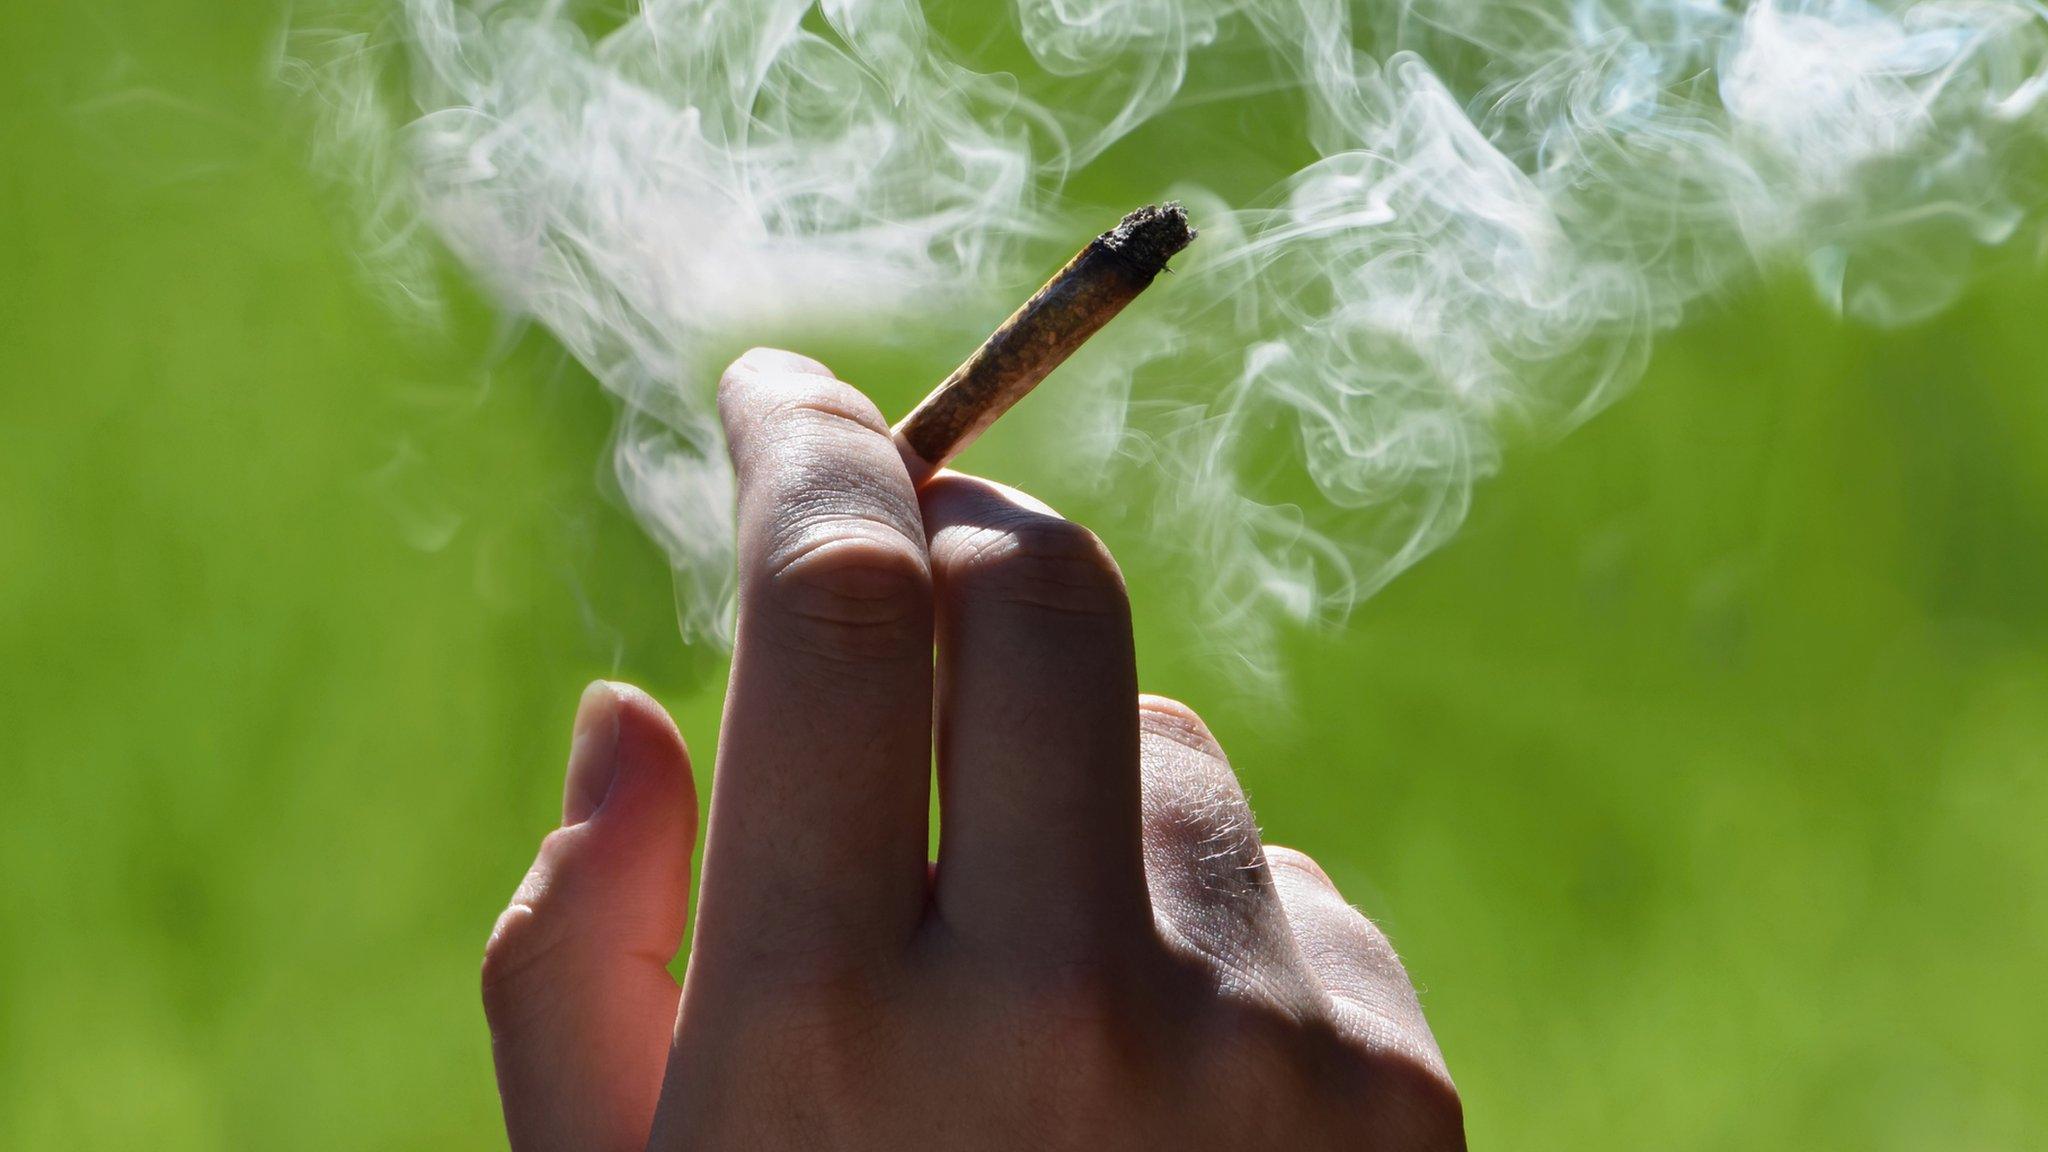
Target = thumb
(575,977)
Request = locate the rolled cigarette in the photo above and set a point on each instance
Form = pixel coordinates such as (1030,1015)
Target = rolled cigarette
(1086,294)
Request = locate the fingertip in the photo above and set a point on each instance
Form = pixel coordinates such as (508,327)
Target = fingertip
(645,713)
(950,496)
(654,758)
(624,741)
(756,365)
(772,405)
(757,362)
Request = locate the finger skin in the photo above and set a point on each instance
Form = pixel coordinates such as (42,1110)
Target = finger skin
(1037,735)
(1211,890)
(575,978)
(1373,1000)
(815,852)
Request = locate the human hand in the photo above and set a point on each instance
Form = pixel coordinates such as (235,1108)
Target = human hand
(1103,955)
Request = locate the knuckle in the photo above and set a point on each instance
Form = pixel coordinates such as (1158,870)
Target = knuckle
(1362,944)
(1419,1096)
(1194,802)
(518,942)
(1172,720)
(1396,1086)
(839,558)
(851,586)
(1196,813)
(1039,561)
(530,933)
(1296,863)
(1213,835)
(1375,946)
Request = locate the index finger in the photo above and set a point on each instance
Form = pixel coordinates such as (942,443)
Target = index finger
(816,834)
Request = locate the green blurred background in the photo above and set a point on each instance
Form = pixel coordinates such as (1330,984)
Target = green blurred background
(1700,779)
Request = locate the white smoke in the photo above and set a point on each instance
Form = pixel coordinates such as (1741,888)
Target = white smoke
(1507,201)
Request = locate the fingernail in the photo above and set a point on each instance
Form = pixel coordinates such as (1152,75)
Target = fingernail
(593,753)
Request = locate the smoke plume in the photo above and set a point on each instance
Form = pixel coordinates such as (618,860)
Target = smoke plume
(1497,207)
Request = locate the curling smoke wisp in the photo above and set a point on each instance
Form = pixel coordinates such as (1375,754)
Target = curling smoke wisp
(1498,206)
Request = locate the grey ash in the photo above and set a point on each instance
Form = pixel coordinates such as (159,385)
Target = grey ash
(1149,237)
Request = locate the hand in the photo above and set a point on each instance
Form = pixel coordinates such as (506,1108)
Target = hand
(1103,955)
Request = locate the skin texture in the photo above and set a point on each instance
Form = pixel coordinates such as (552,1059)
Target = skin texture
(1102,957)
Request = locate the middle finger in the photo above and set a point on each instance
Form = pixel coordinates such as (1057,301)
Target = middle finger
(1037,730)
